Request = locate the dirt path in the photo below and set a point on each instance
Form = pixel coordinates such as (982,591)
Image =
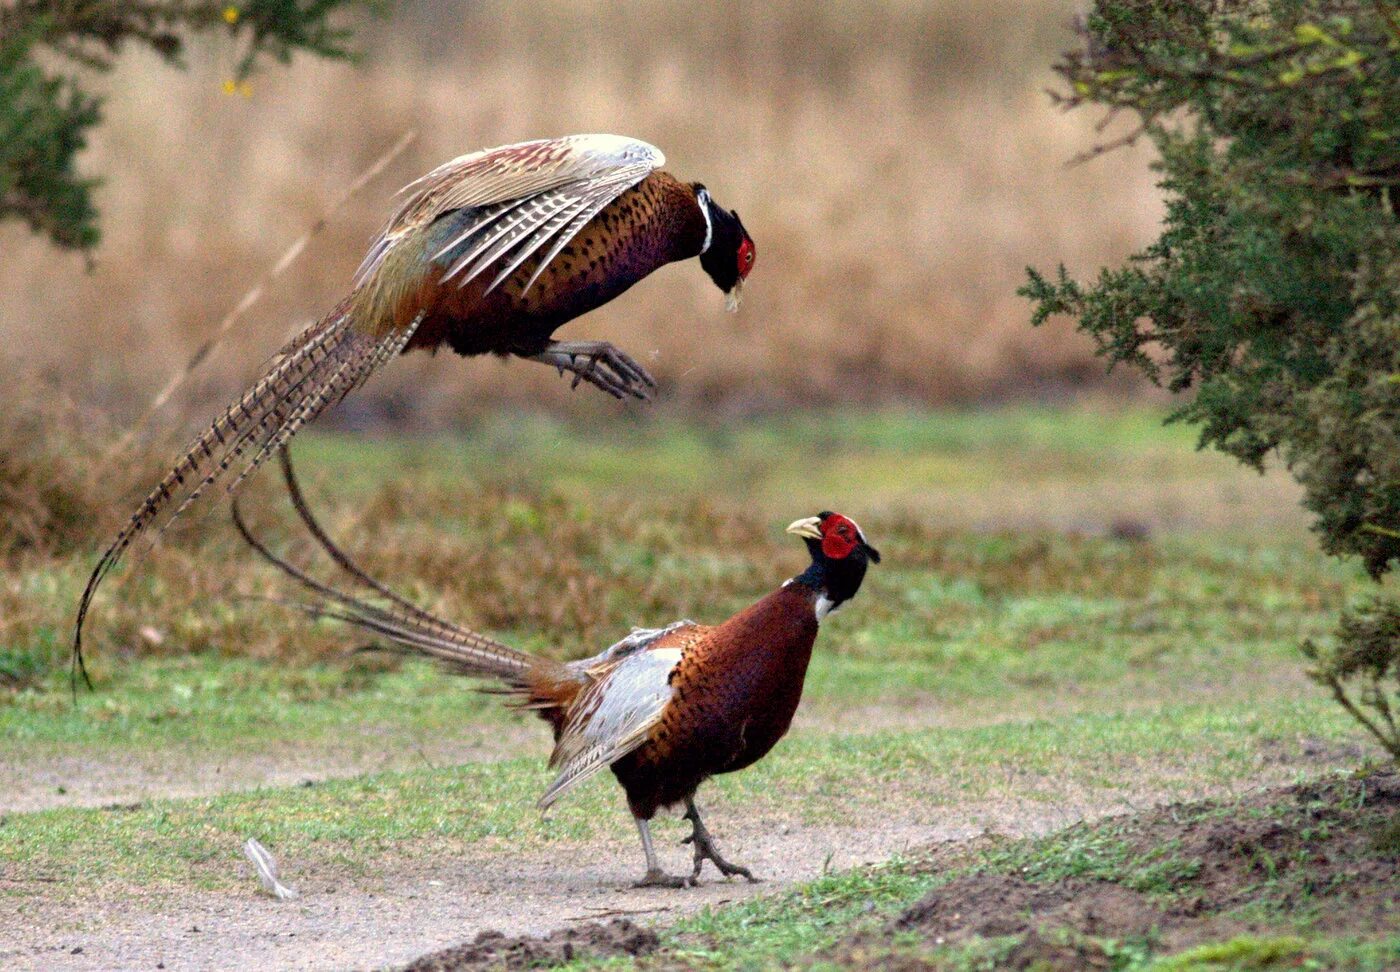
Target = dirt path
(404,910)
(99,777)
(408,907)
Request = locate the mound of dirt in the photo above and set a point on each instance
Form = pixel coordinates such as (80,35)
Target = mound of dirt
(993,905)
(493,950)
(1326,852)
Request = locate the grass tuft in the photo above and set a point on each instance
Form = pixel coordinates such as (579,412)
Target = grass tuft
(1244,953)
(56,481)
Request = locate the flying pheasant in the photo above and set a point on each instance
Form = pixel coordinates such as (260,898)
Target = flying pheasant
(489,253)
(664,708)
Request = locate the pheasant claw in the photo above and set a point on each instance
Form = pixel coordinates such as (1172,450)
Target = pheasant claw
(601,365)
(705,849)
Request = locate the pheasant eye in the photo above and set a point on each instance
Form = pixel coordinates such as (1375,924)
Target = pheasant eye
(745,257)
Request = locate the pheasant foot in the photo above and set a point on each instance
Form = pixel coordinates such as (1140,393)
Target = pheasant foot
(705,849)
(601,365)
(655,877)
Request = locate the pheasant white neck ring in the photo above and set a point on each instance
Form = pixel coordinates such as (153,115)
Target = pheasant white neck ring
(702,197)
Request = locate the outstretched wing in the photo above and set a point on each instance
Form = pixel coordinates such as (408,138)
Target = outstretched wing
(516,200)
(616,712)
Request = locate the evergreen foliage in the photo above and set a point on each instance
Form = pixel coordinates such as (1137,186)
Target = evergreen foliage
(45,115)
(1273,293)
(1365,656)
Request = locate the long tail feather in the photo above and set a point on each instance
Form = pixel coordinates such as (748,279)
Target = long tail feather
(281,401)
(316,369)
(356,366)
(343,560)
(405,624)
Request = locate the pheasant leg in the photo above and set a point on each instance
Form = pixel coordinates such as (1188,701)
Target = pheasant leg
(655,877)
(705,847)
(601,365)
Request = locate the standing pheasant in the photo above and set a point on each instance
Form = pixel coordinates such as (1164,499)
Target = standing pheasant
(489,253)
(664,708)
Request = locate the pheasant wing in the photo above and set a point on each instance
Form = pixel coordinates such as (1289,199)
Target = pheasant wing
(629,693)
(519,197)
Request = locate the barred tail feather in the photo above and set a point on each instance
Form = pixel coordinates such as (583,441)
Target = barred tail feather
(277,402)
(317,368)
(355,367)
(405,624)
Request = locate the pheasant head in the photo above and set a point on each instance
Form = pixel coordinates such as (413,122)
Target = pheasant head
(728,252)
(840,556)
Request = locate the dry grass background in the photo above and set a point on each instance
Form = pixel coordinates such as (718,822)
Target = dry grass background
(899,164)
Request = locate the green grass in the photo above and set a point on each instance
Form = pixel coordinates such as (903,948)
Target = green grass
(208,701)
(853,460)
(988,640)
(563,536)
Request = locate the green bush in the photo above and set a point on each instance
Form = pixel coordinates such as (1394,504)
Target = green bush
(1365,657)
(1271,297)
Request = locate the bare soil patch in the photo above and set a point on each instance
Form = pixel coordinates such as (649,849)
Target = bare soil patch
(1324,856)
(494,950)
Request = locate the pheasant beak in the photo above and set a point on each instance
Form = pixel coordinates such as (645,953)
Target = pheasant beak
(809,528)
(733,296)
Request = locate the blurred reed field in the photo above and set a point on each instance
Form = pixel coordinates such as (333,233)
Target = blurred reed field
(899,165)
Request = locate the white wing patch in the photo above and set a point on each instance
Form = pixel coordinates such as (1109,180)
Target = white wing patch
(614,714)
(524,197)
(636,640)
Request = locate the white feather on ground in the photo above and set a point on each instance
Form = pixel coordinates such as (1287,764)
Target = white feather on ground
(266,866)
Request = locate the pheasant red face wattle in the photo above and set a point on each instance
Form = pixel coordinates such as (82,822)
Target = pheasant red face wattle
(839,536)
(746,258)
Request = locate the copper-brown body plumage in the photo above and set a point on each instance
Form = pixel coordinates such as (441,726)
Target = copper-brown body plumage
(664,709)
(650,225)
(736,689)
